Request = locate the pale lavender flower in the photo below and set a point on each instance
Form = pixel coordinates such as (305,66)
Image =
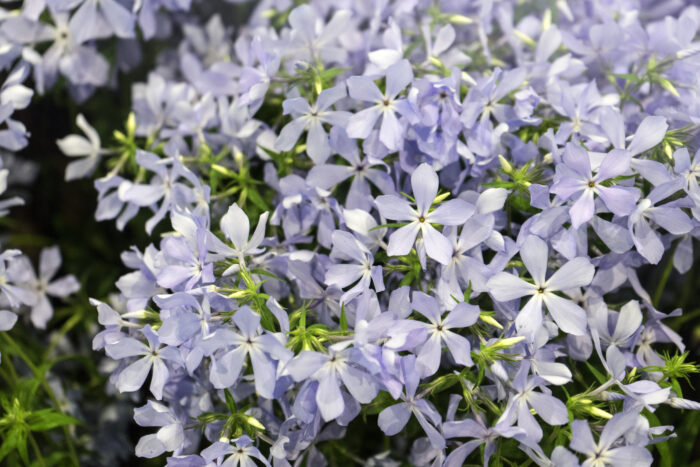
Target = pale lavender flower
(360,271)
(14,272)
(439,331)
(109,204)
(606,452)
(43,286)
(236,228)
(153,357)
(186,255)
(165,187)
(570,317)
(242,453)
(575,177)
(264,350)
(394,418)
(98,19)
(483,98)
(170,437)
(483,435)
(311,118)
(669,216)
(88,149)
(329,370)
(312,40)
(424,182)
(386,105)
(549,408)
(259,67)
(361,171)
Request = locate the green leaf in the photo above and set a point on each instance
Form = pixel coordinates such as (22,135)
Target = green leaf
(15,437)
(381,402)
(47,419)
(267,319)
(230,403)
(327,75)
(343,318)
(598,375)
(627,76)
(683,445)
(257,200)
(468,292)
(392,224)
(499,184)
(519,202)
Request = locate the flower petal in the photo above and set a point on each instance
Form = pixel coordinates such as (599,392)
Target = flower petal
(583,209)
(529,319)
(452,212)
(290,134)
(437,246)
(424,182)
(534,254)
(401,241)
(360,125)
(620,200)
(617,162)
(398,76)
(570,317)
(549,408)
(328,397)
(360,384)
(133,376)
(649,133)
(364,89)
(394,418)
(575,273)
(505,287)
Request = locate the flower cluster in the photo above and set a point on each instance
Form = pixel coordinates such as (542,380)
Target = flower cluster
(58,39)
(453,209)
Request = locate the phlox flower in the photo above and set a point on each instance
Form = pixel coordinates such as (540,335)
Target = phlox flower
(330,370)
(386,105)
(424,182)
(153,357)
(311,118)
(577,272)
(606,452)
(576,179)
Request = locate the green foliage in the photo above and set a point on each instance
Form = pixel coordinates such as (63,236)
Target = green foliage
(236,422)
(675,368)
(22,417)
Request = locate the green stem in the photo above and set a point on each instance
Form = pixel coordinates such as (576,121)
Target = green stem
(44,384)
(7,377)
(37,451)
(664,279)
(10,375)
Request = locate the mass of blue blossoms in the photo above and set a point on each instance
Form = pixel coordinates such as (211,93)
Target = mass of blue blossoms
(422,220)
